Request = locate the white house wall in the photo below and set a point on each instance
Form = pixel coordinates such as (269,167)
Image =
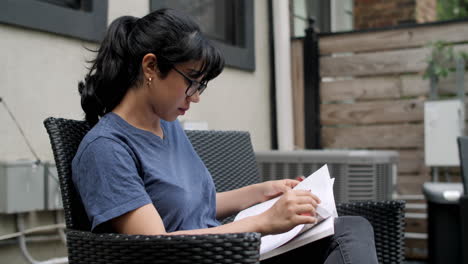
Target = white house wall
(39,73)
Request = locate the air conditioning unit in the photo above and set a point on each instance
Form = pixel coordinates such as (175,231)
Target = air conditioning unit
(359,175)
(21,186)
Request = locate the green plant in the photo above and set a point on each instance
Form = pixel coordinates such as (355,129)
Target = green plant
(452,9)
(441,60)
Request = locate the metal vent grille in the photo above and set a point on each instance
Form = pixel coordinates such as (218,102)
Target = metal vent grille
(361,182)
(359,175)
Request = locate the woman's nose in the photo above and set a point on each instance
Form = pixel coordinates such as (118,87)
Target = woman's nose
(195,98)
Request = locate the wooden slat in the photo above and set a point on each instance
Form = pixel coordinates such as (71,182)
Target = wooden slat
(297,72)
(448,85)
(416,248)
(415,207)
(414,85)
(388,62)
(413,198)
(378,63)
(376,112)
(411,183)
(393,39)
(416,235)
(416,225)
(381,136)
(360,89)
(453,170)
(371,88)
(411,161)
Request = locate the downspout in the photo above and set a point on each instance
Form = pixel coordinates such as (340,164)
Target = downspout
(282,56)
(271,54)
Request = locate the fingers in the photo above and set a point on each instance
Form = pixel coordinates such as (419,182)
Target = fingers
(300,178)
(291,183)
(281,185)
(308,193)
(307,200)
(303,214)
(316,198)
(285,186)
(306,214)
(303,192)
(305,209)
(306,219)
(300,202)
(294,208)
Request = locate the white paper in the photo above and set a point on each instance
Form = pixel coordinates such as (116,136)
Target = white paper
(320,184)
(323,229)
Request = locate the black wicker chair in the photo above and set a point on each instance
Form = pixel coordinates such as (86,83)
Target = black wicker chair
(463,154)
(230,159)
(85,247)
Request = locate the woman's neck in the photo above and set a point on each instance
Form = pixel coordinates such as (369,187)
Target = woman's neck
(133,110)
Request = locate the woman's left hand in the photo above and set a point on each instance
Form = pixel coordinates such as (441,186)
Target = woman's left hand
(272,189)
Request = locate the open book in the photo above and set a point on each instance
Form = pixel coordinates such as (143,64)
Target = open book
(321,185)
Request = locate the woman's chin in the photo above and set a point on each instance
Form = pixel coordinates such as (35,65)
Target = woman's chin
(169,118)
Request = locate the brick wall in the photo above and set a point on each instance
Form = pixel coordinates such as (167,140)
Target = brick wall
(426,11)
(384,13)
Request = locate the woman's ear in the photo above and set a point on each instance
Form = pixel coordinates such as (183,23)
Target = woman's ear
(149,64)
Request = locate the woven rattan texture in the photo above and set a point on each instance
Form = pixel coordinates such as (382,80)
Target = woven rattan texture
(387,219)
(463,155)
(87,248)
(65,137)
(229,157)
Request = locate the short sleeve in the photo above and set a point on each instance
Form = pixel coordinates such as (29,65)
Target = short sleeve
(106,176)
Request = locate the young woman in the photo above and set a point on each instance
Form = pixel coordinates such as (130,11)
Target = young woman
(137,173)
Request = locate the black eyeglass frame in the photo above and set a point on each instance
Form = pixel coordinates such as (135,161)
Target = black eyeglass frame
(199,86)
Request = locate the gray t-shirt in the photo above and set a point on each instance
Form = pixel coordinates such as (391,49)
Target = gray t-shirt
(119,168)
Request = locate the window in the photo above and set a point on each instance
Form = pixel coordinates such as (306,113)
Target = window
(304,9)
(228,23)
(85,5)
(83,19)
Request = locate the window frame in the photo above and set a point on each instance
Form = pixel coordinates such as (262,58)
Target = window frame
(43,16)
(236,56)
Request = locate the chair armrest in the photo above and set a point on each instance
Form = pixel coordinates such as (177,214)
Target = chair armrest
(87,247)
(388,220)
(464,226)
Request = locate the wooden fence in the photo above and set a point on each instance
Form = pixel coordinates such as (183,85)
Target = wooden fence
(372,96)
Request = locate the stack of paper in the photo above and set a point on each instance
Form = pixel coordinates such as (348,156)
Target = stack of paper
(321,185)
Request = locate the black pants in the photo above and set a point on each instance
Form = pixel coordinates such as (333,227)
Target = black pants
(353,242)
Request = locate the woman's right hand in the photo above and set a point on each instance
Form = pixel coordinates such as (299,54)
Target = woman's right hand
(295,207)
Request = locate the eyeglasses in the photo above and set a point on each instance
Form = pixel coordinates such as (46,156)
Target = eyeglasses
(193,86)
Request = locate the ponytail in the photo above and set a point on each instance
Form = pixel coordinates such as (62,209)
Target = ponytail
(109,76)
(169,34)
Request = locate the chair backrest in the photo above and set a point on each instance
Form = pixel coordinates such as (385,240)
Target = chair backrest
(228,156)
(463,151)
(65,137)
